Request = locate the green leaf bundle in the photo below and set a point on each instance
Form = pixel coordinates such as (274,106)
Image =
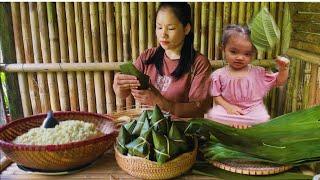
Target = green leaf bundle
(130,69)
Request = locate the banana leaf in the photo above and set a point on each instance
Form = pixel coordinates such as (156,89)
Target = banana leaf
(137,129)
(130,126)
(264,30)
(130,69)
(179,140)
(161,147)
(123,138)
(292,138)
(140,146)
(158,122)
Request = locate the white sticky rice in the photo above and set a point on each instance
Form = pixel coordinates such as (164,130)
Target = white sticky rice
(65,132)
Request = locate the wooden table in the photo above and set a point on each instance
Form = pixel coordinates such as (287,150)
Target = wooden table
(104,168)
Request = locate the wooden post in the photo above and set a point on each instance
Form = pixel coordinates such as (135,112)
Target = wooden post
(8,52)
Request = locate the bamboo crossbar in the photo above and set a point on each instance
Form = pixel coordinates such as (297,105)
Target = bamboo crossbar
(105,66)
(306,56)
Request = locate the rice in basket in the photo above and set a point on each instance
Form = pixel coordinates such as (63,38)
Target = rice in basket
(65,132)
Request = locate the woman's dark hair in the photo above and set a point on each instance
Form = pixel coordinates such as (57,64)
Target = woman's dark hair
(182,11)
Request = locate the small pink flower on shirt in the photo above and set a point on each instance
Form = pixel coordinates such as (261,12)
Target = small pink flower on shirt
(163,82)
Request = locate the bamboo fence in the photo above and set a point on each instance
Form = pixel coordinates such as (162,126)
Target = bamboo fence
(67,53)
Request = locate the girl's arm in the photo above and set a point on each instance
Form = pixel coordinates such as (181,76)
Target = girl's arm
(283,64)
(230,108)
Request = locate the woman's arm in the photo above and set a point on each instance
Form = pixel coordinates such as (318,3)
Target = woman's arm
(230,108)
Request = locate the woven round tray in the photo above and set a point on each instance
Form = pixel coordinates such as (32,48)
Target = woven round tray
(250,167)
(146,169)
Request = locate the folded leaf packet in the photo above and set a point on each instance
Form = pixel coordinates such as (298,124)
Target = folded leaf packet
(130,69)
(264,31)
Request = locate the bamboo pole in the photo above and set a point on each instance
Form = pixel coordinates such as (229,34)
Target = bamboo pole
(22,77)
(98,78)
(273,8)
(242,14)
(142,26)
(318,87)
(151,24)
(313,85)
(196,25)
(73,53)
(126,41)
(234,13)
(249,11)
(204,29)
(119,37)
(226,14)
(88,56)
(134,29)
(211,31)
(270,55)
(81,81)
(55,55)
(45,49)
(306,84)
(108,77)
(279,23)
(296,84)
(112,51)
(218,31)
(289,92)
(286,28)
(65,55)
(28,51)
(41,77)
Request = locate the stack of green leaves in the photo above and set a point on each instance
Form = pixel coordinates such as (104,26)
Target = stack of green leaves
(264,30)
(130,69)
(291,139)
(153,137)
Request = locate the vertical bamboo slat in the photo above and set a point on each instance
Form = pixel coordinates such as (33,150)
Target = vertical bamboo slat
(204,29)
(318,87)
(313,85)
(249,11)
(134,29)
(98,78)
(142,26)
(196,25)
(295,84)
(88,57)
(306,84)
(151,24)
(22,77)
(211,31)
(41,77)
(242,13)
(55,55)
(119,38)
(217,54)
(226,14)
(81,81)
(28,51)
(234,13)
(73,54)
(108,77)
(126,41)
(45,48)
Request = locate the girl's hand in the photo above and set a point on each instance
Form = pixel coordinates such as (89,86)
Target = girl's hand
(149,96)
(125,82)
(283,63)
(235,110)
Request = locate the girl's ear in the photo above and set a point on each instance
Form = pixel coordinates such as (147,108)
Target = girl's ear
(187,29)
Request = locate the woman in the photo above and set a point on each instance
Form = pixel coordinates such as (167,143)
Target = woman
(179,76)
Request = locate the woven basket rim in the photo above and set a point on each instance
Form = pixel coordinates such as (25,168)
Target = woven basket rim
(57,147)
(154,162)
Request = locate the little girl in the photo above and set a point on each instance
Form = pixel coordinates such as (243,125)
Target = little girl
(238,88)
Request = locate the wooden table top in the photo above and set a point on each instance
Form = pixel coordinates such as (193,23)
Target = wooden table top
(104,168)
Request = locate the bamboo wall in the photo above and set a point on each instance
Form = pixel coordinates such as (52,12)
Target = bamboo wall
(111,33)
(305,52)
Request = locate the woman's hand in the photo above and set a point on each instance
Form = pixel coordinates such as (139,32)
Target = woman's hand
(123,83)
(149,96)
(283,63)
(232,109)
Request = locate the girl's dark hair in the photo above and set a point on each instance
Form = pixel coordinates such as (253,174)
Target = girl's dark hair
(182,11)
(234,29)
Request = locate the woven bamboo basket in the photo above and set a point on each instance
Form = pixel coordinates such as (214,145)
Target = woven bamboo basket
(57,157)
(146,169)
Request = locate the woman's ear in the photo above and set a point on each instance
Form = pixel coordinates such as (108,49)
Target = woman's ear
(187,29)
